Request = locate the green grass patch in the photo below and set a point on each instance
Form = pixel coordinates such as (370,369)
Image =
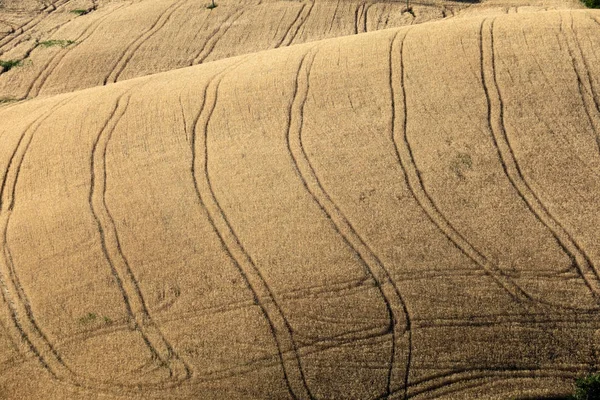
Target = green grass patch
(80,11)
(56,42)
(92,318)
(88,318)
(592,3)
(5,100)
(588,387)
(460,164)
(10,64)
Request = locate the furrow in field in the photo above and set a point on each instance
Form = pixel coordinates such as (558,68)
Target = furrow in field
(278,323)
(511,167)
(585,82)
(366,17)
(37,84)
(456,382)
(396,307)
(21,31)
(297,21)
(17,301)
(214,37)
(124,58)
(111,247)
(360,9)
(294,28)
(414,182)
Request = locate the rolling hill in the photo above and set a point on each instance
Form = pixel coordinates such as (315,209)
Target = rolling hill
(209,204)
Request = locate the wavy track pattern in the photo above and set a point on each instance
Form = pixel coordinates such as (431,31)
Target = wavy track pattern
(360,17)
(111,248)
(267,361)
(24,56)
(414,182)
(445,384)
(585,83)
(120,65)
(295,26)
(37,85)
(400,322)
(496,125)
(21,314)
(21,31)
(215,36)
(263,295)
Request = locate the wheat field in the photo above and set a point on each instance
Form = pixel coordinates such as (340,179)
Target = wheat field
(298,200)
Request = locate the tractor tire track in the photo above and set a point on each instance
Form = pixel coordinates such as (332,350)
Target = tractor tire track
(295,22)
(37,84)
(215,36)
(360,18)
(26,327)
(439,386)
(13,27)
(588,319)
(413,180)
(585,82)
(335,11)
(294,28)
(264,297)
(312,349)
(23,57)
(512,170)
(19,32)
(399,317)
(415,184)
(366,17)
(128,53)
(360,8)
(134,301)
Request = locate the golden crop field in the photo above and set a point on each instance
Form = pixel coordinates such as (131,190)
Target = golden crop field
(288,199)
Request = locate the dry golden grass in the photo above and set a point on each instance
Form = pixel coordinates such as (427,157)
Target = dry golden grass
(404,213)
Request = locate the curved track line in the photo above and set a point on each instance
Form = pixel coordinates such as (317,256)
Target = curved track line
(400,325)
(262,293)
(111,248)
(23,57)
(126,56)
(366,17)
(512,170)
(296,21)
(27,328)
(215,36)
(414,182)
(360,8)
(589,318)
(315,347)
(360,17)
(585,83)
(8,39)
(36,85)
(467,375)
(294,28)
(412,177)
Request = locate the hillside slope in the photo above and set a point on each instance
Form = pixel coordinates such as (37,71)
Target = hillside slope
(118,40)
(405,213)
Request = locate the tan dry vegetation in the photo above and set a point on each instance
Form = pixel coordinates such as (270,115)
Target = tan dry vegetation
(120,40)
(406,213)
